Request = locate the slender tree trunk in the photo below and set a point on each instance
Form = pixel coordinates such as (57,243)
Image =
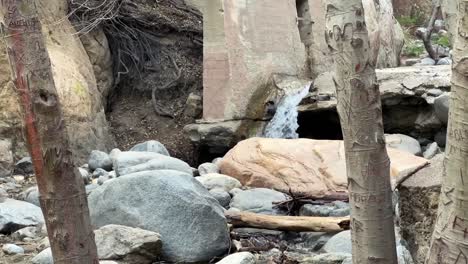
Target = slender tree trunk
(62,194)
(450,238)
(359,107)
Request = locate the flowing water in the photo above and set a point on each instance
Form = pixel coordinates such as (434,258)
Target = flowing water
(284,122)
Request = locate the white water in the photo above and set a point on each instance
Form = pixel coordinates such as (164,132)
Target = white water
(284,122)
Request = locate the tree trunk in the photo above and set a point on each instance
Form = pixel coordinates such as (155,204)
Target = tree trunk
(288,223)
(359,107)
(62,194)
(449,241)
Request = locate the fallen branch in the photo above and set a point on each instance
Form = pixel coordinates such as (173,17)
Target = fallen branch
(288,223)
(426,36)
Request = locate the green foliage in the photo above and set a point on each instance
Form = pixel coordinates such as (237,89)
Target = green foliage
(413,49)
(444,41)
(416,19)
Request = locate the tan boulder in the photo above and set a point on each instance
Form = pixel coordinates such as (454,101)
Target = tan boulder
(303,166)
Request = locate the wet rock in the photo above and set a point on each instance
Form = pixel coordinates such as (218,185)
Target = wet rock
(207,168)
(333,209)
(441,107)
(403,142)
(239,258)
(219,181)
(24,166)
(151,146)
(99,159)
(222,196)
(258,200)
(12,249)
(191,222)
(15,215)
(6,158)
(132,245)
(132,161)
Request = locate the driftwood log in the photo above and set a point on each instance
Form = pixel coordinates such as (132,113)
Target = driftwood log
(288,223)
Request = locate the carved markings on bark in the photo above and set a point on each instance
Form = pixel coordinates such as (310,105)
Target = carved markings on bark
(360,113)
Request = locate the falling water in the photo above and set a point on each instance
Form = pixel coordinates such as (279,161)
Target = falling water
(284,122)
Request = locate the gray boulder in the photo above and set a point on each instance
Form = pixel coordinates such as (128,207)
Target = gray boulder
(151,146)
(85,175)
(15,215)
(239,258)
(431,150)
(258,200)
(441,107)
(219,181)
(99,159)
(132,245)
(31,195)
(222,196)
(444,61)
(12,249)
(427,62)
(207,168)
(24,166)
(6,158)
(403,142)
(44,257)
(191,222)
(131,162)
(339,243)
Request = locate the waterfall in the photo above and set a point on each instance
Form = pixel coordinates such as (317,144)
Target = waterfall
(284,122)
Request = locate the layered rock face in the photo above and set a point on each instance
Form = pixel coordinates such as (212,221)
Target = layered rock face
(75,82)
(249,48)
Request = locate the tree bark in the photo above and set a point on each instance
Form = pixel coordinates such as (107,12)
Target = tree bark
(288,223)
(359,107)
(62,194)
(449,241)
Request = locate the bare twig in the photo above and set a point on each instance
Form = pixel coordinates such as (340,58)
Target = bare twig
(426,36)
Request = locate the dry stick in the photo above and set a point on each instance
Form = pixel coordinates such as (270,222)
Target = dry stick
(61,189)
(288,223)
(426,37)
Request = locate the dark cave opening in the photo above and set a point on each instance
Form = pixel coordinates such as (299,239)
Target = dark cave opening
(319,125)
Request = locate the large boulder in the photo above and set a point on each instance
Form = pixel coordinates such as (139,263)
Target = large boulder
(75,81)
(15,215)
(441,107)
(403,142)
(151,146)
(302,166)
(218,181)
(132,245)
(99,160)
(127,162)
(258,200)
(191,222)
